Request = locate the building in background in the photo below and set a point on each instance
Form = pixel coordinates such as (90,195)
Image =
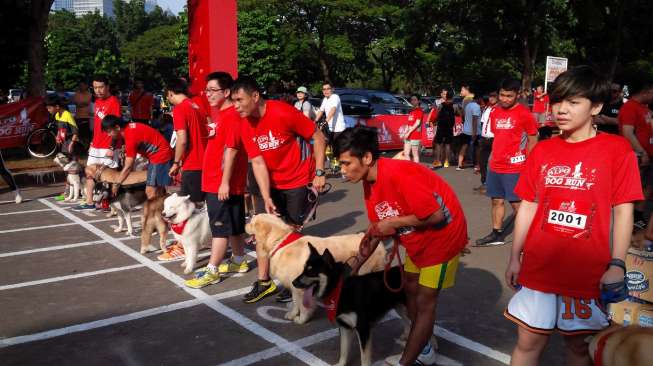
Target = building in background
(105,7)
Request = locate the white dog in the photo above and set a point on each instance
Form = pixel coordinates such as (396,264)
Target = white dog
(189,226)
(73,180)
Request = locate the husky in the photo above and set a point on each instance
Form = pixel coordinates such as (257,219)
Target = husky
(73,179)
(123,203)
(189,226)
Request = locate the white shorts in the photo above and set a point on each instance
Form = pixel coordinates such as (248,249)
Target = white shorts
(99,157)
(542,312)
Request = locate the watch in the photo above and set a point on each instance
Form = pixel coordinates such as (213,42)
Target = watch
(319,172)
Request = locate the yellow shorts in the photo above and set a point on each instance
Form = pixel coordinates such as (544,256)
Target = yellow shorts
(440,276)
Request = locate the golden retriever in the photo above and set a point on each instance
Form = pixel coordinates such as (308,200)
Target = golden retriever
(631,346)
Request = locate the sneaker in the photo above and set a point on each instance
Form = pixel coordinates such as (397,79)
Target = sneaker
(203,278)
(18,198)
(260,290)
(446,164)
(427,356)
(491,239)
(231,267)
(84,206)
(640,224)
(284,296)
(60,197)
(437,164)
(173,252)
(459,168)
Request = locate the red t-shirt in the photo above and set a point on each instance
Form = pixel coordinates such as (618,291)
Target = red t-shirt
(567,248)
(635,114)
(187,116)
(103,108)
(510,128)
(540,103)
(406,188)
(227,136)
(145,140)
(282,137)
(141,104)
(414,115)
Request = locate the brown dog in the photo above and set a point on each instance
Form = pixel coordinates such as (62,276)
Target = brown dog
(151,220)
(623,346)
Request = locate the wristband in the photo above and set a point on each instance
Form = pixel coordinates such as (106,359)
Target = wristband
(617,263)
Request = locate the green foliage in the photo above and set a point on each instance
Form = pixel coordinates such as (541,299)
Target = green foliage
(259,47)
(151,55)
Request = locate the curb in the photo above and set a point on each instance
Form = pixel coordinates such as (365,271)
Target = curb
(39,177)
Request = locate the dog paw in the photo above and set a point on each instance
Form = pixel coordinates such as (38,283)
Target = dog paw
(291,315)
(118,229)
(300,320)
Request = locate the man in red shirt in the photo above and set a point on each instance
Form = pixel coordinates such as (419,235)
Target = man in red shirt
(515,134)
(224,176)
(636,121)
(412,133)
(141,103)
(142,139)
(100,152)
(540,107)
(281,135)
(412,201)
(564,253)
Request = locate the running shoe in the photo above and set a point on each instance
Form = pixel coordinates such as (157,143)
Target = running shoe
(260,290)
(173,252)
(427,357)
(18,198)
(232,267)
(492,239)
(284,296)
(446,164)
(203,278)
(459,168)
(84,206)
(437,164)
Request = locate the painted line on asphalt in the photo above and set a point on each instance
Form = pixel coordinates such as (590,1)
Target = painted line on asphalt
(7,342)
(220,308)
(69,277)
(36,227)
(472,345)
(51,248)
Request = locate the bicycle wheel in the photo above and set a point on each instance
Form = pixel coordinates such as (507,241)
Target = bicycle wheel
(41,143)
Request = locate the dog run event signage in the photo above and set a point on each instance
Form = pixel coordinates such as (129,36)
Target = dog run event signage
(391,126)
(18,119)
(554,67)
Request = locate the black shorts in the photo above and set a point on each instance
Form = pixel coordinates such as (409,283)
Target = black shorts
(292,204)
(444,135)
(191,184)
(226,218)
(463,139)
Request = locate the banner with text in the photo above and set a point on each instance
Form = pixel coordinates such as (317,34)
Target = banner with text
(18,119)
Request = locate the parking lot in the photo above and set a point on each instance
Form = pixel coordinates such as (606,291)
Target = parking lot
(72,291)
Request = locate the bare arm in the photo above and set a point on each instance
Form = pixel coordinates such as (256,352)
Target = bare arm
(629,133)
(262,177)
(411,221)
(319,146)
(523,222)
(319,115)
(124,173)
(532,140)
(623,223)
(227,170)
(180,146)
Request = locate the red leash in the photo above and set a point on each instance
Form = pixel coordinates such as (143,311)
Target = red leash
(365,251)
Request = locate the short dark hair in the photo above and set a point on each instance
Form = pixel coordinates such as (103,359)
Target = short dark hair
(327,83)
(53,101)
(224,79)
(639,81)
(448,91)
(468,87)
(358,141)
(580,81)
(101,78)
(510,84)
(416,96)
(493,94)
(246,84)
(110,121)
(177,86)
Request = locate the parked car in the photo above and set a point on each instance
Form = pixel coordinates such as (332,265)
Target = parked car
(403,98)
(380,102)
(14,95)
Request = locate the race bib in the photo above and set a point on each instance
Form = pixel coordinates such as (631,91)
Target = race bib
(517,159)
(570,219)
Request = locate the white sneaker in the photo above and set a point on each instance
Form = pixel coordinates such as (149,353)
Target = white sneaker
(19,198)
(427,357)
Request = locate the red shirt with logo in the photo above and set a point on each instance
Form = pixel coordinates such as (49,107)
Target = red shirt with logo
(141,104)
(540,102)
(635,114)
(282,137)
(227,136)
(575,185)
(511,128)
(103,108)
(187,116)
(406,188)
(145,140)
(413,116)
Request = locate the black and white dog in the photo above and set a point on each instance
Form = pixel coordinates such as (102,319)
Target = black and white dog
(123,203)
(363,300)
(73,178)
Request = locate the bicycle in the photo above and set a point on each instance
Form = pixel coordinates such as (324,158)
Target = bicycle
(42,142)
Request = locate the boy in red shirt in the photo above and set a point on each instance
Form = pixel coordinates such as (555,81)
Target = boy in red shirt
(142,139)
(281,135)
(426,215)
(413,131)
(561,256)
(515,134)
(141,103)
(540,107)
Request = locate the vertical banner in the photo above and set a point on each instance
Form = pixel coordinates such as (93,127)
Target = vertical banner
(18,119)
(554,67)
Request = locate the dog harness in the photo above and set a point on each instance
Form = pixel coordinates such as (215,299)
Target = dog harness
(178,228)
(292,237)
(600,346)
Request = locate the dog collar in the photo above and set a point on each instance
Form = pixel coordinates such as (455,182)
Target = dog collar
(292,237)
(331,301)
(600,346)
(178,228)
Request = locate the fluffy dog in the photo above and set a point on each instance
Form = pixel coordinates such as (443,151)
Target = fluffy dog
(73,180)
(151,220)
(629,345)
(189,226)
(288,262)
(123,203)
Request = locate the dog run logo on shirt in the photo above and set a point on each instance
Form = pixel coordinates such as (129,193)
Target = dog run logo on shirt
(561,176)
(268,142)
(505,124)
(384,210)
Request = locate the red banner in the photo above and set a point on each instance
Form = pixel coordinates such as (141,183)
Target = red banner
(18,119)
(391,126)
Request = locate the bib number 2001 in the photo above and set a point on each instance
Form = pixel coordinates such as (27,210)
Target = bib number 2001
(568,219)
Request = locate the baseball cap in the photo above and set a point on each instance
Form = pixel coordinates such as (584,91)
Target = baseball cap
(302,89)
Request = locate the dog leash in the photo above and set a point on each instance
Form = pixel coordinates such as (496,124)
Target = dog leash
(313,198)
(372,233)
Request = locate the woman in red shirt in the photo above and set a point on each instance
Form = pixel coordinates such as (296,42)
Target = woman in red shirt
(412,132)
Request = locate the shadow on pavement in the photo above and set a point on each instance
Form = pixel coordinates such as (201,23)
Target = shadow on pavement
(336,225)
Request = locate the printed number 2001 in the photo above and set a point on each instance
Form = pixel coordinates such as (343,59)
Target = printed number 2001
(568,219)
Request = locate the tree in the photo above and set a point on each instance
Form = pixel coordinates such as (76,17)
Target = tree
(259,47)
(131,19)
(38,19)
(14,44)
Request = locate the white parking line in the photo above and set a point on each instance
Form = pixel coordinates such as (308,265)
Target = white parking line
(24,212)
(220,308)
(472,345)
(54,247)
(69,277)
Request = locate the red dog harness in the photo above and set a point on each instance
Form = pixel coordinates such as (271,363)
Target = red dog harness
(178,228)
(292,237)
(600,346)
(331,301)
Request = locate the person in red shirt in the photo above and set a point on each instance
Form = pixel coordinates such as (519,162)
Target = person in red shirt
(515,134)
(142,139)
(281,135)
(540,108)
(141,103)
(191,129)
(412,132)
(636,121)
(424,212)
(224,176)
(101,151)
(564,254)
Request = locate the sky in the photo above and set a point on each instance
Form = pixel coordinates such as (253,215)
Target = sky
(174,5)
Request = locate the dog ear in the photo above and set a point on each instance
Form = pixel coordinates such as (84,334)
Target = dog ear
(312,249)
(328,258)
